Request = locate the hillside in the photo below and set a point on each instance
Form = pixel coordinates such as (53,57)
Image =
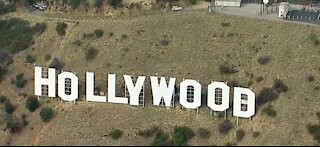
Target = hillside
(191,44)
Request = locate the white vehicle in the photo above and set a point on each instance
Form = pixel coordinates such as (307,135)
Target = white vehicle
(176,8)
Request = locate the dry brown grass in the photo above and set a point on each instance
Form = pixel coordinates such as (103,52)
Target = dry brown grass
(194,52)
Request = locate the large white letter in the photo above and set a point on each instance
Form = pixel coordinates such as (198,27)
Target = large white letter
(112,91)
(196,95)
(250,102)
(134,91)
(62,86)
(50,82)
(90,89)
(162,91)
(225,89)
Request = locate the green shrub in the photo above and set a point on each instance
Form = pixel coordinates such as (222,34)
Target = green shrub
(263,59)
(20,82)
(315,39)
(240,135)
(204,133)
(310,78)
(314,130)
(91,53)
(111,34)
(255,134)
(98,3)
(61,28)
(30,58)
(149,132)
(116,134)
(11,124)
(114,3)
(124,36)
(279,86)
(18,37)
(77,43)
(269,110)
(8,107)
(161,139)
(40,28)
(225,127)
(2,99)
(75,4)
(266,95)
(46,114)
(3,72)
(98,33)
(32,103)
(57,64)
(7,8)
(5,57)
(87,35)
(193,2)
(317,114)
(182,135)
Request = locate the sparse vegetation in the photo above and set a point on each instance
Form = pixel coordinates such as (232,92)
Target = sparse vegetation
(161,139)
(269,110)
(91,53)
(98,3)
(2,99)
(8,107)
(98,33)
(314,130)
(111,34)
(255,134)
(259,79)
(149,132)
(124,36)
(87,35)
(181,135)
(317,114)
(20,82)
(315,39)
(164,42)
(225,127)
(116,134)
(57,64)
(279,86)
(310,78)
(226,24)
(226,70)
(46,114)
(47,57)
(77,43)
(5,57)
(61,28)
(204,133)
(30,59)
(240,134)
(75,4)
(32,103)
(263,59)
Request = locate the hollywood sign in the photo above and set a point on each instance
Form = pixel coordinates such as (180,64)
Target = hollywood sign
(243,98)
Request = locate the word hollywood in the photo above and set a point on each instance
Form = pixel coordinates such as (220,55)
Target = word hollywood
(243,102)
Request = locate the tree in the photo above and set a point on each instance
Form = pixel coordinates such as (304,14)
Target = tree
(32,103)
(46,114)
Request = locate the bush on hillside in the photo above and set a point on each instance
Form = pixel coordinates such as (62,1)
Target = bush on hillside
(20,82)
(30,59)
(91,53)
(181,135)
(57,64)
(98,33)
(225,127)
(32,103)
(161,139)
(61,28)
(46,114)
(116,134)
